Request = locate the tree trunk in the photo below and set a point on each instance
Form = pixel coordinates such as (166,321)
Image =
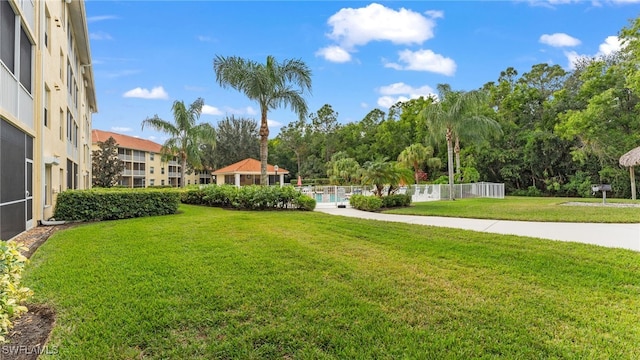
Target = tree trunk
(264,148)
(456,149)
(450,162)
(183,167)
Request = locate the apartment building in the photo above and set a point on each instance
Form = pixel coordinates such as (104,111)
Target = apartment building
(47,98)
(143,164)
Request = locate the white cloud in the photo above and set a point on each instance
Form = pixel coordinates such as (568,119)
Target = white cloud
(354,27)
(211,110)
(205,38)
(610,45)
(100,35)
(364,105)
(273,124)
(389,101)
(559,40)
(334,54)
(424,60)
(194,88)
(121,129)
(155,93)
(251,111)
(435,14)
(92,19)
(403,93)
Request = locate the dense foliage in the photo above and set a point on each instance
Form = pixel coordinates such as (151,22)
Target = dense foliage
(112,204)
(106,167)
(249,197)
(375,203)
(12,294)
(562,130)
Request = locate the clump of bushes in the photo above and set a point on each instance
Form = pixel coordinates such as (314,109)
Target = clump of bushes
(12,295)
(375,203)
(251,197)
(112,204)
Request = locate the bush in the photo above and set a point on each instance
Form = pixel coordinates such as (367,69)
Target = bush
(304,202)
(366,203)
(11,294)
(398,200)
(252,197)
(112,204)
(441,180)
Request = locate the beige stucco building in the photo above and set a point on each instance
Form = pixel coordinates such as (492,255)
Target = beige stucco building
(143,165)
(47,98)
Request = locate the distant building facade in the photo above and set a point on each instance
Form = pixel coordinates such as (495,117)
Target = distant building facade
(47,98)
(143,165)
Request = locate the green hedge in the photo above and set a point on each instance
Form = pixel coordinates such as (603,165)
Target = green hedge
(374,203)
(399,200)
(112,204)
(251,197)
(366,203)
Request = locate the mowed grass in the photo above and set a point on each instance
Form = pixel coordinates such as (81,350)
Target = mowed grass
(209,283)
(527,209)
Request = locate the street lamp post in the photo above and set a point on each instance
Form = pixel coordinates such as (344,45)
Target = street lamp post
(276,169)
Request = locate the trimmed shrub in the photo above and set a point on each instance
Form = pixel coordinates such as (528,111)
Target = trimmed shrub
(112,204)
(398,200)
(304,202)
(366,203)
(252,197)
(12,296)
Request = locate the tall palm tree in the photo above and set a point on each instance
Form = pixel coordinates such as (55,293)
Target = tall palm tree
(455,113)
(272,85)
(186,137)
(415,155)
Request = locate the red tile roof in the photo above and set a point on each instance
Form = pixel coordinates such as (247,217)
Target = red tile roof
(125,141)
(248,166)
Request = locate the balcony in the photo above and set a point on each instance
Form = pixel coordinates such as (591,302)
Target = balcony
(127,172)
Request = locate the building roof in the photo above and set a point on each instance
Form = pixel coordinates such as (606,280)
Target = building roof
(248,166)
(125,141)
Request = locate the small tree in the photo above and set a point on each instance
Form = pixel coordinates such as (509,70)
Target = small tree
(106,166)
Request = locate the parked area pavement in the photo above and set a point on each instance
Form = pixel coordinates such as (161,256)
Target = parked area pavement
(625,236)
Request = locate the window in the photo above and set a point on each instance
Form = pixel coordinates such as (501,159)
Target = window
(151,155)
(47,185)
(61,65)
(47,103)
(151,169)
(152,182)
(162,182)
(7,35)
(61,127)
(69,126)
(47,28)
(25,60)
(162,171)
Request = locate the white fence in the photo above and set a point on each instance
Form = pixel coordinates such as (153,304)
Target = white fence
(419,193)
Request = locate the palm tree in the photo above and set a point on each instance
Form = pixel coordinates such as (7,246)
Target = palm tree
(381,172)
(272,85)
(186,137)
(415,155)
(456,113)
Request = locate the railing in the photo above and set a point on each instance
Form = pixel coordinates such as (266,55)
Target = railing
(128,172)
(419,193)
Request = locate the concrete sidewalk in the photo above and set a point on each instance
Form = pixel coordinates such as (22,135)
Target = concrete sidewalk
(625,236)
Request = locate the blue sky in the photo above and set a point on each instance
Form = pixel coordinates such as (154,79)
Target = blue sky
(363,55)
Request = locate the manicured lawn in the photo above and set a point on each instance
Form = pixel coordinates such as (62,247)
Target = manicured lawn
(209,283)
(526,209)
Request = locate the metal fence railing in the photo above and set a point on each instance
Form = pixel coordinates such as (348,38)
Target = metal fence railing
(337,195)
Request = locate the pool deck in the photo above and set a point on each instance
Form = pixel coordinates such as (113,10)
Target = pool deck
(626,236)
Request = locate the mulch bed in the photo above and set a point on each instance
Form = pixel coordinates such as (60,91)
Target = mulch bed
(30,333)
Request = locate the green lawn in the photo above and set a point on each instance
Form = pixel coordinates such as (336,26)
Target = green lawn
(526,209)
(209,283)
